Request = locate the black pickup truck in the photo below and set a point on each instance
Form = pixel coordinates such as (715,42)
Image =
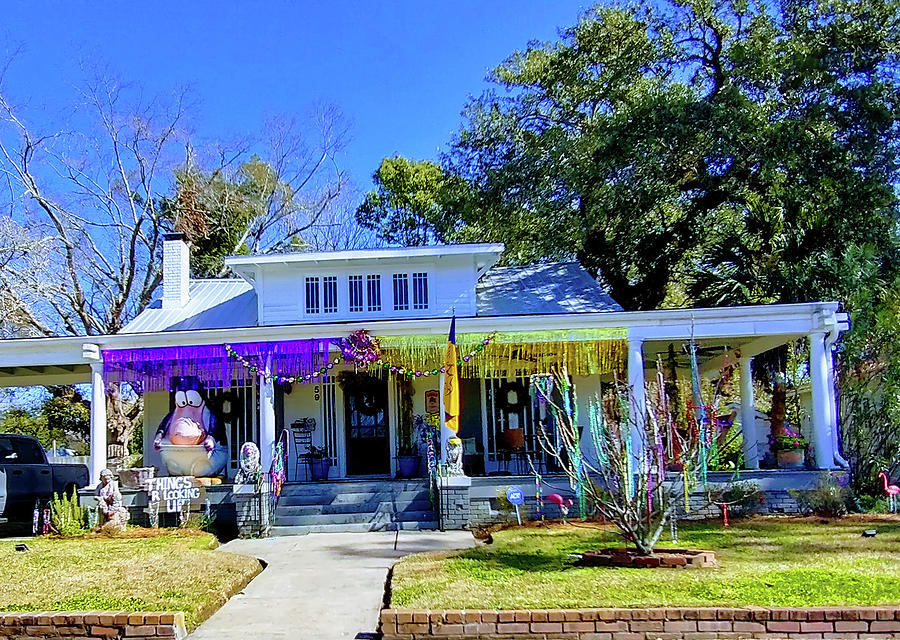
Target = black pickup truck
(30,477)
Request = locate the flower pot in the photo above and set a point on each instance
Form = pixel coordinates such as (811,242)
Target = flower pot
(407,466)
(318,469)
(790,459)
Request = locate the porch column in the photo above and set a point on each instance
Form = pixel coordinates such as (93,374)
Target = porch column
(98,422)
(639,395)
(823,422)
(748,415)
(266,418)
(834,418)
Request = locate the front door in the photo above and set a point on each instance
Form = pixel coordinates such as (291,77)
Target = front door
(368,448)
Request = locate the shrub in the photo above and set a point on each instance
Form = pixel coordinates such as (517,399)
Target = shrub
(503,505)
(742,498)
(203,520)
(872,504)
(829,499)
(67,517)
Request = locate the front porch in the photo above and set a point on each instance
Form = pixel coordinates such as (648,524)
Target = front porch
(267,383)
(361,417)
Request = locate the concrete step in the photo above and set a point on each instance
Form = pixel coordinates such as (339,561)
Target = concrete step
(352,498)
(375,505)
(380,518)
(368,507)
(334,488)
(282,530)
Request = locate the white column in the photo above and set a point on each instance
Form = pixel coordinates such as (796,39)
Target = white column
(266,418)
(822,416)
(639,395)
(832,406)
(748,415)
(98,422)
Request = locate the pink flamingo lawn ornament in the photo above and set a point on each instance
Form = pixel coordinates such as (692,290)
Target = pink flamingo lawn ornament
(890,490)
(562,503)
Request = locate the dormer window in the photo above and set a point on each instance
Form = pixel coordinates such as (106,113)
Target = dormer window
(420,290)
(355,284)
(373,291)
(401,292)
(324,299)
(329,294)
(312,295)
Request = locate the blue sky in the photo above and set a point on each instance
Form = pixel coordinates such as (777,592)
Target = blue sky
(400,71)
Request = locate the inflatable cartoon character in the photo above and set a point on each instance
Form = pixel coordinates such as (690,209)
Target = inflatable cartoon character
(191,439)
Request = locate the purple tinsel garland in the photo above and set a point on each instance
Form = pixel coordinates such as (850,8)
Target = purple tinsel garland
(152,369)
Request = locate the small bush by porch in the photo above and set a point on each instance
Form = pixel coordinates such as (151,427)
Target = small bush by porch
(171,571)
(765,561)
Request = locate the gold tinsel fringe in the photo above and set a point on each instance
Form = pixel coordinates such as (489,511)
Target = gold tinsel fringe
(583,352)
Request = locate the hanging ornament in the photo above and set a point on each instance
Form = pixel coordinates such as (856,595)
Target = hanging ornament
(359,348)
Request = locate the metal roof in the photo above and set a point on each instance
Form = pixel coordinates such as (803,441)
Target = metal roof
(213,304)
(562,287)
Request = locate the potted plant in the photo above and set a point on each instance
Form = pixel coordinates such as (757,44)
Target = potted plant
(319,463)
(790,450)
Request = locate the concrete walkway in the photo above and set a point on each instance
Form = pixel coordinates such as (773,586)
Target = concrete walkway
(321,586)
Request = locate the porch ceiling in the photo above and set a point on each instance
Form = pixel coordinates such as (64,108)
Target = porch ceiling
(39,375)
(712,353)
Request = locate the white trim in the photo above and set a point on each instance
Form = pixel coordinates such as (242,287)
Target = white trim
(393,391)
(99,423)
(484,422)
(368,254)
(748,414)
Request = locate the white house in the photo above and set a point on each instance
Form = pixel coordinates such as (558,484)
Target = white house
(287,313)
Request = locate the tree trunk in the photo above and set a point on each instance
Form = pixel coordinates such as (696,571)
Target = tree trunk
(779,409)
(123,417)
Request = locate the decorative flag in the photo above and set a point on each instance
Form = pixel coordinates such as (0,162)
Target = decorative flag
(451,382)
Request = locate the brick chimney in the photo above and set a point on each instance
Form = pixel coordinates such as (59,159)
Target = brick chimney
(176,271)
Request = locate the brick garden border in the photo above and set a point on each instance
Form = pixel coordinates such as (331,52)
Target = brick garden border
(662,557)
(91,625)
(670,623)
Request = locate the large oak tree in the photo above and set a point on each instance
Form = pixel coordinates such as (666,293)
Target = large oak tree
(694,152)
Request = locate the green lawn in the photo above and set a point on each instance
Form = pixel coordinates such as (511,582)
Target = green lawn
(762,561)
(163,573)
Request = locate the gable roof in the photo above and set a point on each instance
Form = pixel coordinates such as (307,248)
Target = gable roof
(213,304)
(538,289)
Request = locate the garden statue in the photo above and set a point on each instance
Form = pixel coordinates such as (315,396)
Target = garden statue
(455,457)
(251,470)
(191,438)
(115,514)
